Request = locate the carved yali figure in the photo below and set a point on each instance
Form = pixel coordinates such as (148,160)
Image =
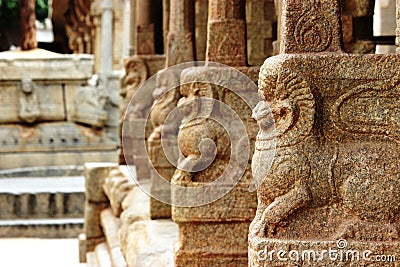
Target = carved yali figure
(90,102)
(285,189)
(29,110)
(203,143)
(337,159)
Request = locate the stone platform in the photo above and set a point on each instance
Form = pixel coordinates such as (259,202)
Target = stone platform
(41,203)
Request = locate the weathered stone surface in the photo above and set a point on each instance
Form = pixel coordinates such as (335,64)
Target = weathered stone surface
(144,29)
(15,65)
(226,32)
(41,228)
(201,15)
(151,243)
(110,225)
(398,25)
(92,219)
(95,174)
(116,187)
(334,176)
(310,26)
(103,256)
(166,98)
(23,159)
(79,27)
(234,210)
(180,36)
(136,207)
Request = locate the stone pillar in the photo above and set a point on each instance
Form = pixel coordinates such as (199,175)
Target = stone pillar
(180,37)
(214,234)
(166,96)
(106,52)
(132,36)
(127,28)
(357,24)
(308,27)
(226,32)
(144,28)
(28,28)
(166,12)
(201,15)
(322,193)
(96,201)
(260,16)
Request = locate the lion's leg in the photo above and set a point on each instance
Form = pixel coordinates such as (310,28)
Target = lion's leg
(281,208)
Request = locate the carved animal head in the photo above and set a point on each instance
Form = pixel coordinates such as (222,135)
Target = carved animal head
(289,102)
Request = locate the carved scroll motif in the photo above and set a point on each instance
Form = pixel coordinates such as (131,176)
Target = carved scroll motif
(371,108)
(313,32)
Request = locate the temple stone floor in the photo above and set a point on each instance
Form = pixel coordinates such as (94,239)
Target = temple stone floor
(18,252)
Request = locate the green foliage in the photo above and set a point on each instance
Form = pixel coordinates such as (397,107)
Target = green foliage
(9,11)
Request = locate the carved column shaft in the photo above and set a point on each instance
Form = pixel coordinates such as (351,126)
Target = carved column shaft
(106,37)
(201,14)
(144,28)
(28,28)
(180,43)
(226,40)
(310,26)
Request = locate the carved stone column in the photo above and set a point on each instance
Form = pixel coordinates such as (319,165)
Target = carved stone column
(28,28)
(201,15)
(106,60)
(166,96)
(180,38)
(144,28)
(214,234)
(327,189)
(226,32)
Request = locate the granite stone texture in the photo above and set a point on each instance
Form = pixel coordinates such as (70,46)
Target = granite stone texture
(333,184)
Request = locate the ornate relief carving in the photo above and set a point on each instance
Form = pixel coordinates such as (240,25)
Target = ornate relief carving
(313,32)
(370,108)
(90,103)
(136,75)
(200,137)
(29,110)
(286,188)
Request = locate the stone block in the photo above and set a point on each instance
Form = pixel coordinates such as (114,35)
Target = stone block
(110,225)
(136,207)
(95,174)
(116,187)
(151,243)
(92,219)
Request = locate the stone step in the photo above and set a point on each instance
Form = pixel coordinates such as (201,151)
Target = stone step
(42,197)
(41,228)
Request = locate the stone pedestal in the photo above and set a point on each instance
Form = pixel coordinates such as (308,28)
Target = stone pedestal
(226,32)
(328,197)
